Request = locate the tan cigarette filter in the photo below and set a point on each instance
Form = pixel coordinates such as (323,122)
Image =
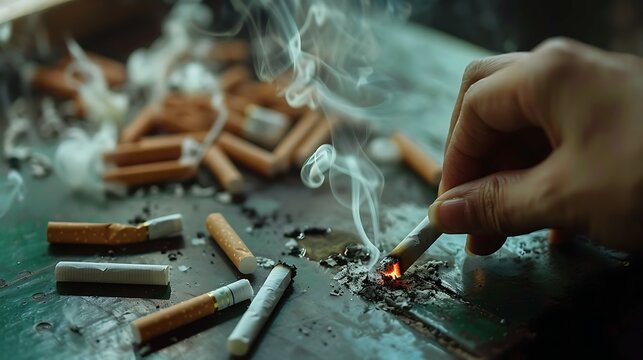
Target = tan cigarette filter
(237,103)
(94,234)
(418,160)
(263,93)
(233,76)
(171,140)
(230,51)
(139,153)
(223,169)
(152,173)
(231,243)
(52,81)
(114,71)
(286,148)
(166,320)
(248,154)
(319,135)
(146,120)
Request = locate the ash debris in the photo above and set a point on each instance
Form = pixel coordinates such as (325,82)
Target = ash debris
(355,253)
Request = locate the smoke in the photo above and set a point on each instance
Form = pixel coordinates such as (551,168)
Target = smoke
(323,55)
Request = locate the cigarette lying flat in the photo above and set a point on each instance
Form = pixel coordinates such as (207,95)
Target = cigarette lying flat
(141,274)
(286,148)
(319,135)
(113,234)
(230,51)
(223,169)
(152,173)
(417,159)
(260,125)
(233,76)
(138,153)
(163,321)
(263,93)
(146,120)
(231,243)
(409,249)
(246,331)
(248,154)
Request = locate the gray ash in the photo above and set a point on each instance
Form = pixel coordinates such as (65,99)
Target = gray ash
(301,234)
(354,253)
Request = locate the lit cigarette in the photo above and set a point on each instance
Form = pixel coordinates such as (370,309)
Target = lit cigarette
(113,234)
(286,148)
(248,154)
(146,120)
(417,159)
(233,76)
(166,320)
(152,173)
(318,136)
(246,331)
(230,51)
(231,243)
(260,125)
(409,249)
(223,169)
(141,274)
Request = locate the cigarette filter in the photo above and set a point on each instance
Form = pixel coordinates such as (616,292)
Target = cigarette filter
(231,243)
(417,159)
(248,154)
(52,81)
(152,173)
(171,140)
(246,331)
(163,321)
(264,126)
(318,136)
(138,153)
(142,274)
(146,120)
(410,249)
(113,234)
(223,169)
(233,76)
(286,148)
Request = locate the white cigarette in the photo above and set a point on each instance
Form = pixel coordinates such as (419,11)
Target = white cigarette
(246,331)
(414,245)
(265,126)
(142,274)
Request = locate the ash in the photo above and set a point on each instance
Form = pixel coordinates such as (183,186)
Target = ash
(419,285)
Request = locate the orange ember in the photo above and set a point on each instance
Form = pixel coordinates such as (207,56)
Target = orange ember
(393,271)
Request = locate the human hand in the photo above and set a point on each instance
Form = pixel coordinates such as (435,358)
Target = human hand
(547,139)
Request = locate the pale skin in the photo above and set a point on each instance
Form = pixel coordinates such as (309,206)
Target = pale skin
(552,138)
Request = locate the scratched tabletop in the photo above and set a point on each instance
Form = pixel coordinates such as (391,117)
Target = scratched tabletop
(485,305)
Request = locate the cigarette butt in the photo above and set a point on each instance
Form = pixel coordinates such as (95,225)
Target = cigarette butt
(263,93)
(237,103)
(286,148)
(418,160)
(170,140)
(128,154)
(261,307)
(166,320)
(142,274)
(319,135)
(152,173)
(231,243)
(146,120)
(248,154)
(113,234)
(233,76)
(230,51)
(187,120)
(114,71)
(52,81)
(223,169)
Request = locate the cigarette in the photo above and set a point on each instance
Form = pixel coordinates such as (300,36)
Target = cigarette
(146,120)
(152,173)
(318,136)
(230,51)
(128,154)
(237,103)
(166,320)
(246,331)
(223,169)
(170,140)
(52,81)
(233,76)
(286,148)
(248,154)
(260,125)
(187,113)
(114,71)
(417,159)
(92,272)
(113,234)
(231,243)
(409,250)
(258,92)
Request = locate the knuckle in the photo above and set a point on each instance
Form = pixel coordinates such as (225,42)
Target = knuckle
(490,213)
(560,57)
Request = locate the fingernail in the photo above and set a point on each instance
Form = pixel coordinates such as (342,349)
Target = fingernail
(449,215)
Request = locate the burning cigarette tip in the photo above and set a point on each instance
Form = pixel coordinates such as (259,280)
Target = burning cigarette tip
(390,268)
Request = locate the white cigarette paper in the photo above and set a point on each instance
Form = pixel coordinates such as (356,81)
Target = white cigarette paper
(246,331)
(165,226)
(142,274)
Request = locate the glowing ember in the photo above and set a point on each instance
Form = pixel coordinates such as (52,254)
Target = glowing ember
(393,270)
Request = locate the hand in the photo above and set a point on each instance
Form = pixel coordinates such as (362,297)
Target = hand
(547,139)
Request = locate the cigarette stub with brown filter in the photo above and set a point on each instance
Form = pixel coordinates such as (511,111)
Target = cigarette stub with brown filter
(231,243)
(318,136)
(417,159)
(113,234)
(223,169)
(141,274)
(248,154)
(52,81)
(233,76)
(152,173)
(253,320)
(166,320)
(146,120)
(286,148)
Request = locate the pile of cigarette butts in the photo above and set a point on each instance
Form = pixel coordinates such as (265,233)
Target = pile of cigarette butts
(161,322)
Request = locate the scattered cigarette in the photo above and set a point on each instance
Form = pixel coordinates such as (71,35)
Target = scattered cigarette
(113,234)
(286,148)
(128,154)
(230,51)
(223,169)
(231,243)
(263,93)
(409,249)
(152,173)
(319,135)
(248,154)
(171,140)
(141,274)
(114,71)
(233,76)
(52,81)
(163,321)
(146,120)
(417,159)
(246,331)
(260,125)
